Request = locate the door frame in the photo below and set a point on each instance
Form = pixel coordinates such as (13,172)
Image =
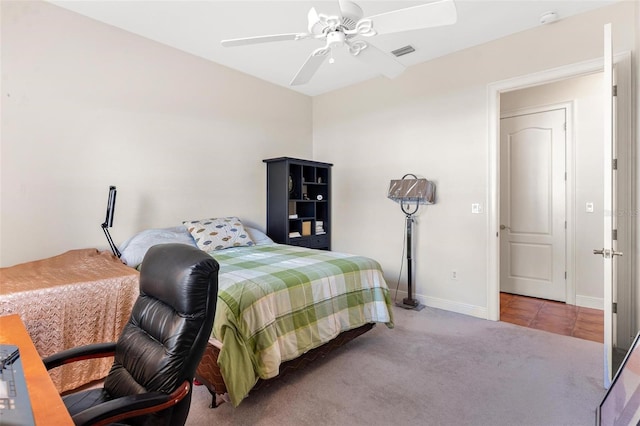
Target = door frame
(569,261)
(622,62)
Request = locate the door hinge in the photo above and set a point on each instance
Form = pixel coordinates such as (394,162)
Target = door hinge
(614,308)
(565,126)
(565,224)
(565,275)
(614,164)
(614,234)
(614,90)
(565,176)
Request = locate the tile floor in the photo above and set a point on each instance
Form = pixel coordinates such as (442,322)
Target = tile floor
(555,317)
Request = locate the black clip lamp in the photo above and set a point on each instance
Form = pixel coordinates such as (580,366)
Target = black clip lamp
(108,222)
(410,192)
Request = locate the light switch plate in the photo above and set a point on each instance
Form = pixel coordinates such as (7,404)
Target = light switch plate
(476,208)
(589,208)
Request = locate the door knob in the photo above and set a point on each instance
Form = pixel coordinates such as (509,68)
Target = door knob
(606,253)
(503,227)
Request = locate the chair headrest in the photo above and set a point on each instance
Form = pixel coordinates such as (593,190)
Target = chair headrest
(178,275)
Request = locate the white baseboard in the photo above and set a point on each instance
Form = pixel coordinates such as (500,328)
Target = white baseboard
(482,311)
(590,302)
(448,305)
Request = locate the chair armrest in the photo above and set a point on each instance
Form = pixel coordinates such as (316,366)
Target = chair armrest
(95,350)
(131,406)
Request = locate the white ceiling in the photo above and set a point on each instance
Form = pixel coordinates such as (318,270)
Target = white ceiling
(198,26)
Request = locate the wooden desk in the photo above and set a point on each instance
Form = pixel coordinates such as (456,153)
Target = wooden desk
(48,408)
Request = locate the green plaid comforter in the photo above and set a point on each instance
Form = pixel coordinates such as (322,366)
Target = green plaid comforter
(276,302)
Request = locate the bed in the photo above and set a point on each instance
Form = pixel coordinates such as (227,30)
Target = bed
(76,298)
(277,304)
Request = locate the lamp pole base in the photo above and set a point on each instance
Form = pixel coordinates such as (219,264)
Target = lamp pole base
(408,303)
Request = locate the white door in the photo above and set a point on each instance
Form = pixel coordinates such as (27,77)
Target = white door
(532,211)
(609,252)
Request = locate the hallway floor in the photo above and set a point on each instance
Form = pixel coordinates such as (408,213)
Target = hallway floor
(555,317)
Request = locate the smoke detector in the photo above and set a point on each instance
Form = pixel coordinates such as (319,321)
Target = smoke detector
(548,17)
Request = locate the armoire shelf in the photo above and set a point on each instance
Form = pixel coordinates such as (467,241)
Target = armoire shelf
(299,202)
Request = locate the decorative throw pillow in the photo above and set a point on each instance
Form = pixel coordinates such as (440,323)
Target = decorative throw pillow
(218,233)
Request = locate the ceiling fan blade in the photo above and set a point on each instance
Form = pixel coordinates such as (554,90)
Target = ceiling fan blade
(381,61)
(438,13)
(308,69)
(262,39)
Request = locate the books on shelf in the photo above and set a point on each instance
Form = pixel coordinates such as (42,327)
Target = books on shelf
(306,228)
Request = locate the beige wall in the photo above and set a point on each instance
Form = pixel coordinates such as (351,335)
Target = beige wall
(86,105)
(433,121)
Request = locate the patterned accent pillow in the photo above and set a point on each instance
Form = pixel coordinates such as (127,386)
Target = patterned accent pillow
(218,233)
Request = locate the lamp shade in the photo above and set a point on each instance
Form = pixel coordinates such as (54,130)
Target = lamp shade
(412,191)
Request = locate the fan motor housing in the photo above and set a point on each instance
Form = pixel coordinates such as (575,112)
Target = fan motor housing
(335,39)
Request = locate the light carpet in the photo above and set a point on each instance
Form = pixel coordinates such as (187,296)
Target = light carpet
(434,368)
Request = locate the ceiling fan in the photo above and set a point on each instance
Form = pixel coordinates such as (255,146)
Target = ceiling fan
(344,30)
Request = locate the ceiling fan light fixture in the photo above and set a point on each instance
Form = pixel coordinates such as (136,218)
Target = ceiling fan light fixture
(342,30)
(364,28)
(355,47)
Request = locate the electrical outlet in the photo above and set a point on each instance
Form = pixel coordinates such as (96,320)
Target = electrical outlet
(454,275)
(476,208)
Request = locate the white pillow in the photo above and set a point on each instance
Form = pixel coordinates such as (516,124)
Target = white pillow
(134,249)
(218,233)
(258,237)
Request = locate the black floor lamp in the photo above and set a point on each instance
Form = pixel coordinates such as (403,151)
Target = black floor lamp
(410,192)
(108,221)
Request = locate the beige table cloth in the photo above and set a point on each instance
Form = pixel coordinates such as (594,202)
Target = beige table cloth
(77,298)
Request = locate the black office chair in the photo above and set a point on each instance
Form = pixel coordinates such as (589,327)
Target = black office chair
(159,348)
